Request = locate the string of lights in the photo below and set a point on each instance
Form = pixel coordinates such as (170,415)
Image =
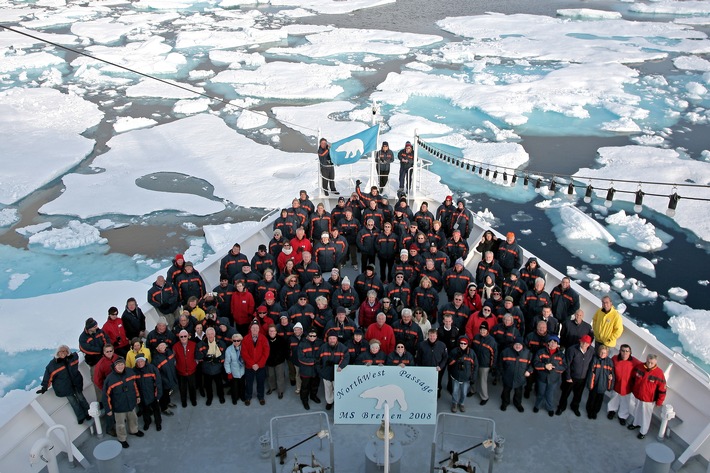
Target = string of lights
(552,181)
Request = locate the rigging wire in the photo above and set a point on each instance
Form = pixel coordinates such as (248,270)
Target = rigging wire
(143,74)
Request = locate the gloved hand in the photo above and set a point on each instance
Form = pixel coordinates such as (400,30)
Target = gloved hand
(357,183)
(230,376)
(42,390)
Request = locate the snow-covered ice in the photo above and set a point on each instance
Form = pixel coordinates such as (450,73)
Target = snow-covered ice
(644,265)
(692,327)
(75,235)
(677,293)
(54,122)
(124,124)
(632,231)
(16,280)
(32,229)
(8,216)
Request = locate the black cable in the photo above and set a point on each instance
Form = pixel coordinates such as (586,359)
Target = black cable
(172,84)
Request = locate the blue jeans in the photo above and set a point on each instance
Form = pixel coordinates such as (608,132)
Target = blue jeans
(546,391)
(249,376)
(458,394)
(78,402)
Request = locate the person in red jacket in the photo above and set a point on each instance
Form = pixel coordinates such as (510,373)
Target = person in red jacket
(242,307)
(101,370)
(648,385)
(622,402)
(255,352)
(186,366)
(369,310)
(114,330)
(382,332)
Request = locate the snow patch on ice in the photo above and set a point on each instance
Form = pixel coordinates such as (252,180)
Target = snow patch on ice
(634,232)
(644,265)
(8,217)
(16,280)
(677,293)
(692,327)
(124,124)
(223,236)
(691,63)
(32,229)
(75,235)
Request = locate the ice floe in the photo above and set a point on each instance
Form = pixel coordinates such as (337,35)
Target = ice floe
(644,265)
(8,216)
(692,327)
(40,138)
(75,235)
(634,232)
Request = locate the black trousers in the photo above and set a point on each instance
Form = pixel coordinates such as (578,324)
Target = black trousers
(154,409)
(386,265)
(187,384)
(327,177)
(309,387)
(576,387)
(594,402)
(165,400)
(384,175)
(366,259)
(209,381)
(517,396)
(236,388)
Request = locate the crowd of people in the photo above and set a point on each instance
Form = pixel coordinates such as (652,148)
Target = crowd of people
(288,317)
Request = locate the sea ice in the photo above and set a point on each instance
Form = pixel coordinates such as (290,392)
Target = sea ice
(341,41)
(655,164)
(677,293)
(692,327)
(54,121)
(32,229)
(248,120)
(8,216)
(16,280)
(582,235)
(644,265)
(634,232)
(672,7)
(691,63)
(75,235)
(276,80)
(332,7)
(124,124)
(588,13)
(222,237)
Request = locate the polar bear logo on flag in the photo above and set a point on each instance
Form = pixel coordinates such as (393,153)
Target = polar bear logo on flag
(352,148)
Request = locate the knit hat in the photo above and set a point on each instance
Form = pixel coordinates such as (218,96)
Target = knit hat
(298,325)
(189,263)
(509,299)
(341,310)
(346,280)
(483,325)
(90,323)
(358,331)
(518,340)
(510,235)
(119,360)
(139,357)
(449,197)
(278,232)
(554,338)
(371,267)
(179,256)
(403,252)
(459,261)
(262,247)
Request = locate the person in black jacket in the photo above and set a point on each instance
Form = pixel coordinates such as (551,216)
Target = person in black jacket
(121,396)
(63,374)
(331,355)
(164,361)
(210,355)
(150,387)
(276,362)
(383,159)
(133,320)
(432,352)
(463,366)
(516,368)
(327,171)
(163,296)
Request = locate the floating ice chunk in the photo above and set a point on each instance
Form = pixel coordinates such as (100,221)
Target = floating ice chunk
(587,13)
(152,56)
(276,80)
(340,41)
(189,226)
(582,235)
(677,293)
(696,90)
(196,250)
(632,231)
(102,30)
(75,235)
(692,63)
(248,120)
(600,287)
(692,327)
(704,282)
(54,121)
(190,107)
(16,280)
(644,265)
(215,39)
(332,7)
(40,60)
(124,124)
(8,217)
(525,231)
(635,291)
(622,125)
(554,203)
(419,66)
(32,229)
(486,215)
(521,216)
(672,7)
(648,164)
(108,224)
(234,59)
(221,237)
(649,140)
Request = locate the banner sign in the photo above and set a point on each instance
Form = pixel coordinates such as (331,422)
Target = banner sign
(362,391)
(349,150)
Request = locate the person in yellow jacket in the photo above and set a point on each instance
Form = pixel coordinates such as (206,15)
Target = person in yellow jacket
(607,324)
(137,347)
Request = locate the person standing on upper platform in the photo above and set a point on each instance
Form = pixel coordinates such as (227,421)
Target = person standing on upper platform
(406,161)
(327,171)
(383,159)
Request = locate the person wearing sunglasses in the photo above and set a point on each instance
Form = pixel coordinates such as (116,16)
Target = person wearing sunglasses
(235,368)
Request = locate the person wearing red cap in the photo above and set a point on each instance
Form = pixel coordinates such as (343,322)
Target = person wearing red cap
(599,380)
(579,359)
(443,214)
(177,267)
(406,161)
(509,255)
(463,366)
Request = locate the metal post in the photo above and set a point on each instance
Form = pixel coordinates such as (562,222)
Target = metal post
(387,437)
(374,181)
(415,167)
(667,413)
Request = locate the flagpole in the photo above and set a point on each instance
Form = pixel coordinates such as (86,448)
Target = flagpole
(415,166)
(373,171)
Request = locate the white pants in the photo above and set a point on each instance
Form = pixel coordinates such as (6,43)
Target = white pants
(329,389)
(622,405)
(483,382)
(643,412)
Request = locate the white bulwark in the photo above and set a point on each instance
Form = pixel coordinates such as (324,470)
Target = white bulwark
(362,391)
